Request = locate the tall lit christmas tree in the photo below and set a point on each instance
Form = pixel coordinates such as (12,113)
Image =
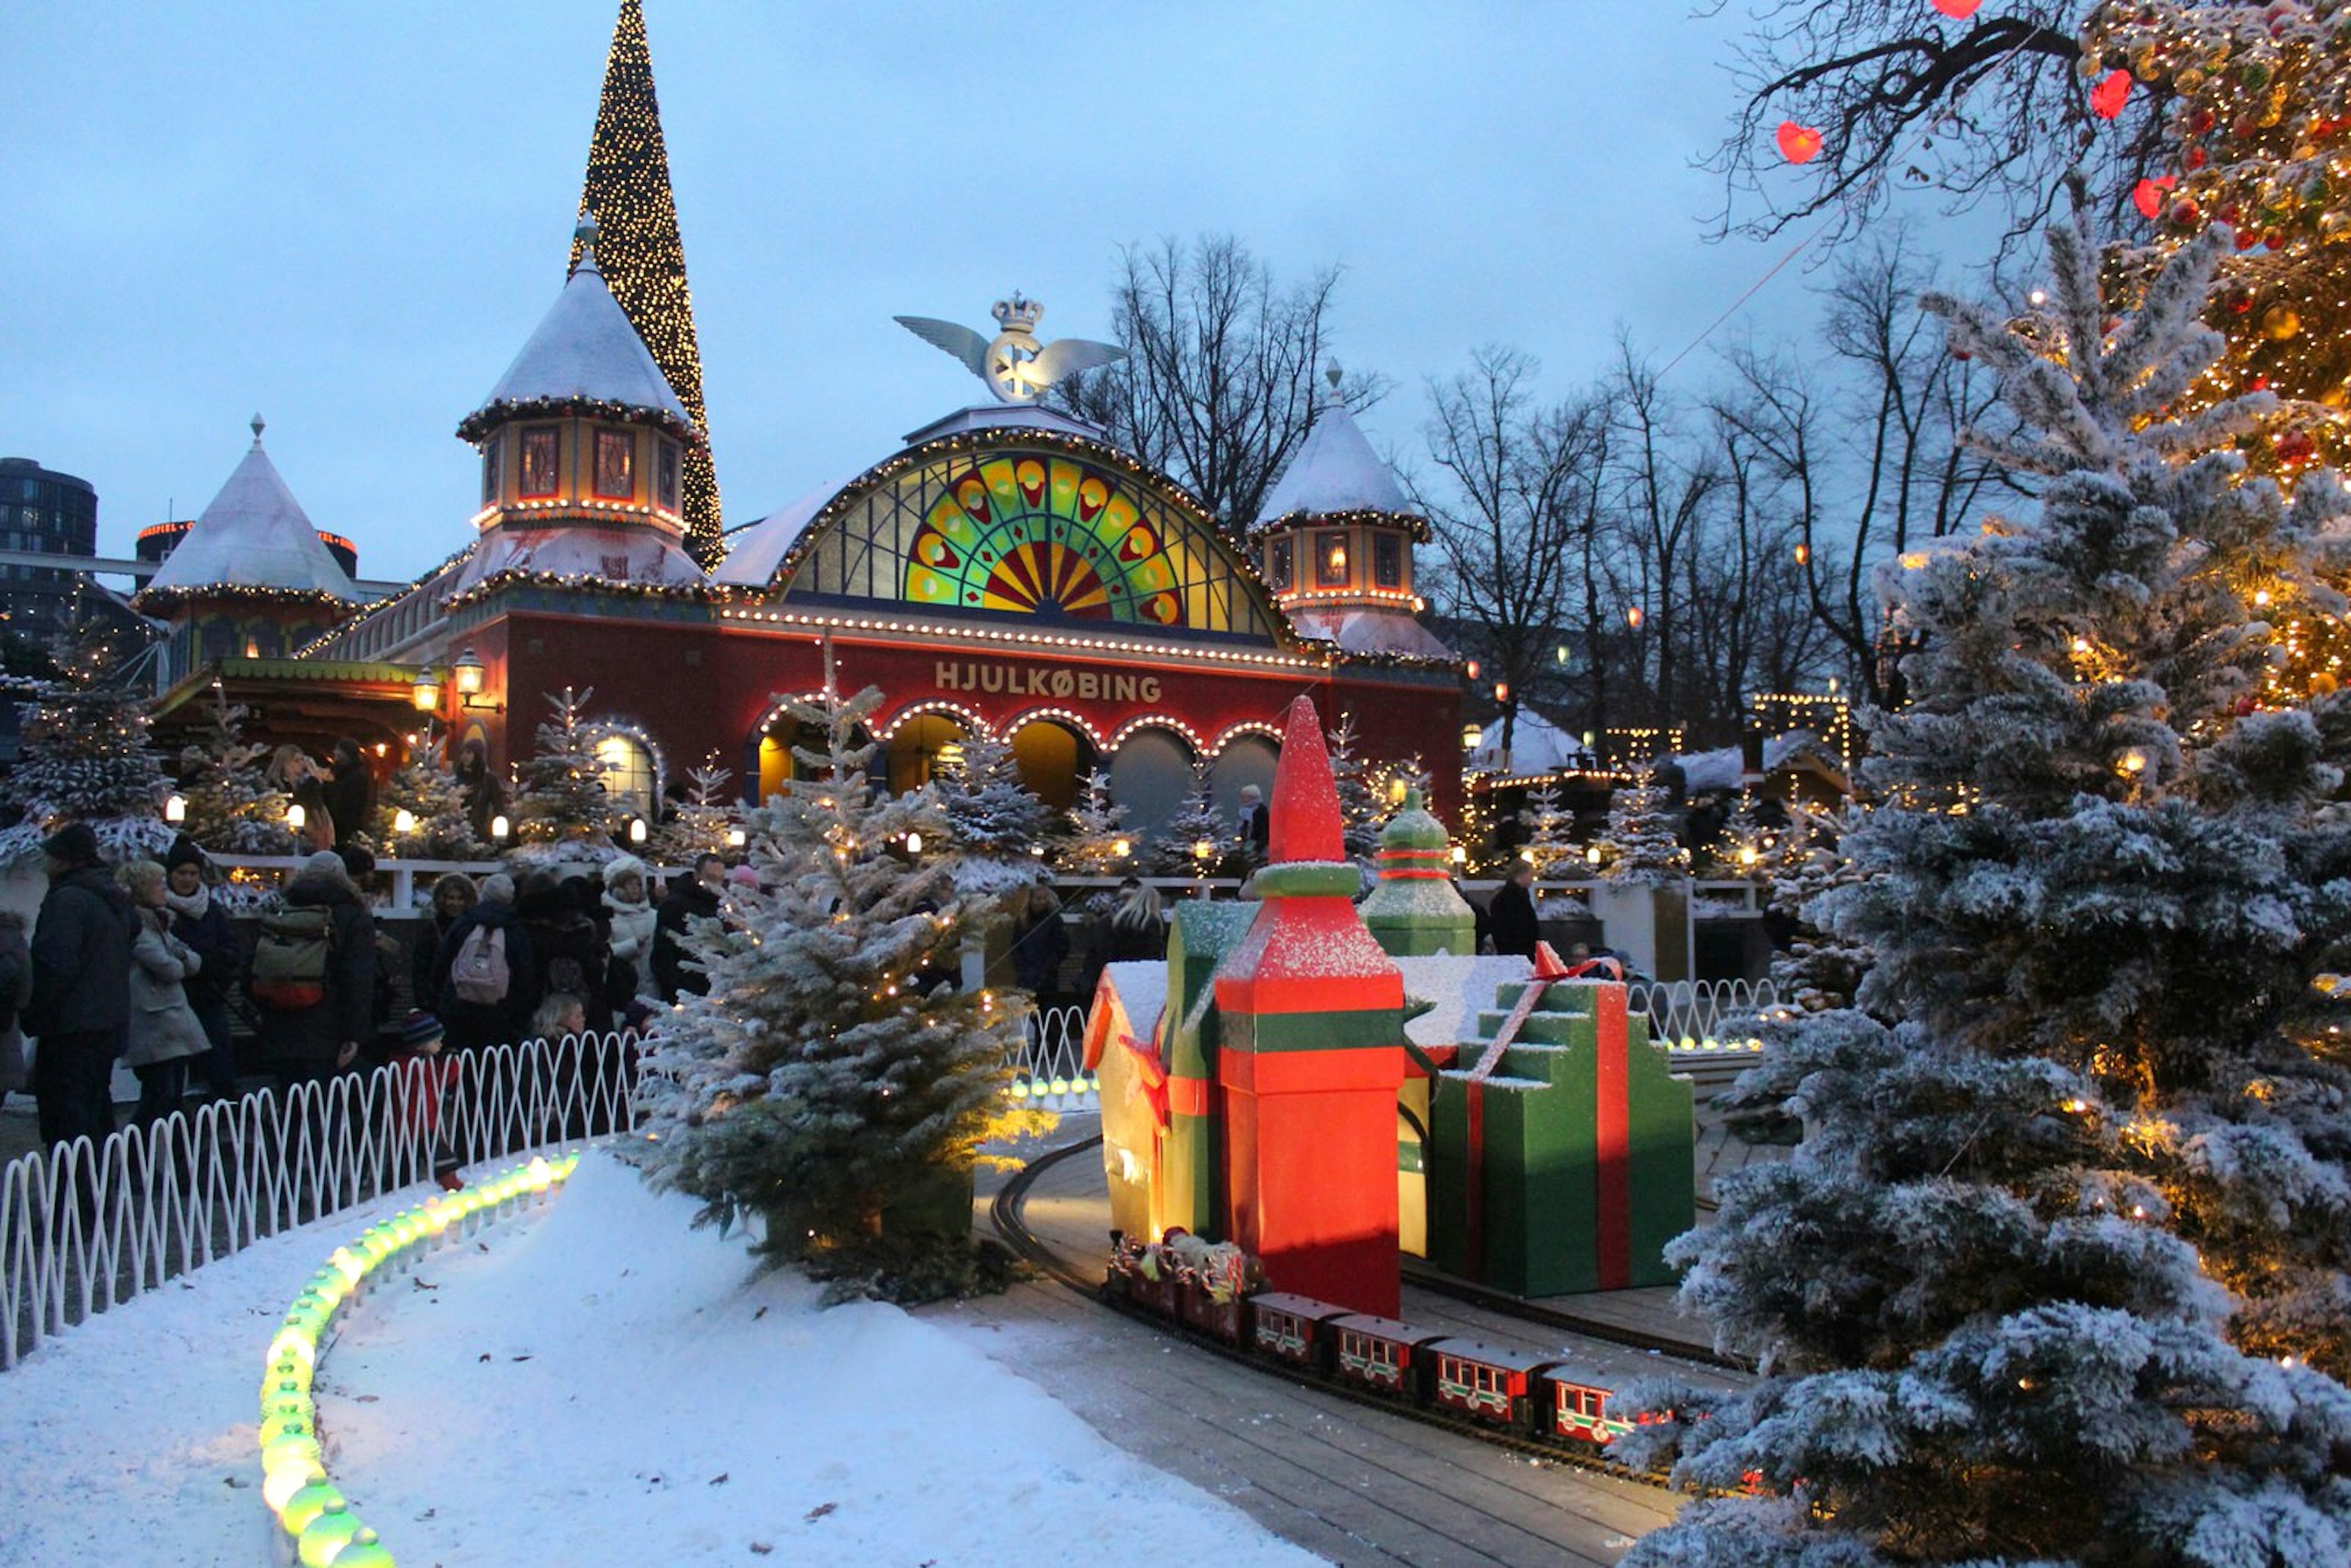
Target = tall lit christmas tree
(85,760)
(561,811)
(639,251)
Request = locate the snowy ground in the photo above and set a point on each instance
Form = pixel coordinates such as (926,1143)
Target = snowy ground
(600,1386)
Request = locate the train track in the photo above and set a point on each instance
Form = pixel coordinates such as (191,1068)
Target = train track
(1005,1213)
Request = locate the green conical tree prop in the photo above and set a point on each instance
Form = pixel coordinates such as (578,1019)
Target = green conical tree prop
(821,1085)
(638,250)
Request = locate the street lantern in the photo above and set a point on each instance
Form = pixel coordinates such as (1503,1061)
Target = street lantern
(425,692)
(469,670)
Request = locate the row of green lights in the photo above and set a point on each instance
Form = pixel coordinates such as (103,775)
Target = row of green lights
(1039,1088)
(315,1516)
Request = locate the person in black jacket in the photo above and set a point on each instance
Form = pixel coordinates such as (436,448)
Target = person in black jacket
(453,898)
(1512,913)
(472,1025)
(81,989)
(1134,929)
(688,897)
(351,792)
(569,953)
(314,1043)
(198,920)
(1040,942)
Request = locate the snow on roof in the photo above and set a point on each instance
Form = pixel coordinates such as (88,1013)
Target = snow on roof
(1720,770)
(1537,746)
(255,534)
(1004,416)
(586,351)
(1142,987)
(753,555)
(1333,470)
(1371,631)
(618,555)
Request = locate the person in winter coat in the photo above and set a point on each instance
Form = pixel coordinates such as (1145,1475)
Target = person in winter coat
(474,1021)
(1040,942)
(1512,913)
(567,949)
(1256,823)
(198,920)
(689,896)
(633,916)
(1136,928)
(454,897)
(292,771)
(81,958)
(351,792)
(164,1035)
(315,1042)
(16,990)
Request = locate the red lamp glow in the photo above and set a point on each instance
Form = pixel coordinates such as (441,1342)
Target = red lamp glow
(1798,144)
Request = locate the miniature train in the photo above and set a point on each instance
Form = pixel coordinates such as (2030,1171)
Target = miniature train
(1211,1289)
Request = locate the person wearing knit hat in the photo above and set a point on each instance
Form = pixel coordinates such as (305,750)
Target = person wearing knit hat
(632,916)
(304,1044)
(484,1011)
(743,876)
(423,1082)
(81,994)
(198,920)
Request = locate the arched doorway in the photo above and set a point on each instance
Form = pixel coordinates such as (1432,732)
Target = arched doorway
(917,746)
(1149,774)
(631,773)
(1053,758)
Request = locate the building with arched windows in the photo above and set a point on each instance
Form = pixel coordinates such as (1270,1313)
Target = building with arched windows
(1006,569)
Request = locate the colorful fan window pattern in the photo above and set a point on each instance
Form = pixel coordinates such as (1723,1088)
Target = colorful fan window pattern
(1042,536)
(1023,531)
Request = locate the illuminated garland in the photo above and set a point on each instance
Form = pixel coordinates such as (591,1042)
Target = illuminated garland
(1411,523)
(627,190)
(506,411)
(312,1512)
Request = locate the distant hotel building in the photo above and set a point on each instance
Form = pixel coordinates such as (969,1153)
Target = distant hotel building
(49,513)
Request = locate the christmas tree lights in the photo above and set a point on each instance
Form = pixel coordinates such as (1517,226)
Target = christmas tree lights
(638,250)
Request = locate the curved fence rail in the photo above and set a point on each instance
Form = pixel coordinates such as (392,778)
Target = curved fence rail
(1690,1015)
(84,1226)
(1052,1071)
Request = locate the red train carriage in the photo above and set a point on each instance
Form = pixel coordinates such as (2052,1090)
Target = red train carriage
(1212,1306)
(1572,1404)
(1379,1352)
(1294,1329)
(1485,1381)
(1145,1277)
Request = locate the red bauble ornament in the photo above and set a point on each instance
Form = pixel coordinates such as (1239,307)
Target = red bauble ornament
(2147,195)
(2296,447)
(2248,238)
(1958,10)
(2243,706)
(2195,157)
(2106,98)
(2259,384)
(1798,144)
(2239,300)
(2185,213)
(2274,239)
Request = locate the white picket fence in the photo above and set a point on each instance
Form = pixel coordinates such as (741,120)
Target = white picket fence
(84,1226)
(1692,1015)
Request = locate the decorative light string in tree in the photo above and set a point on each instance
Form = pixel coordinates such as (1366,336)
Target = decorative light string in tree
(638,250)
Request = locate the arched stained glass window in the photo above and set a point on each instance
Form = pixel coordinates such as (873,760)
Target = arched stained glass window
(1035,531)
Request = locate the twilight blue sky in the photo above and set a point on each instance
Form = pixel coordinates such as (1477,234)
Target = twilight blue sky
(349,217)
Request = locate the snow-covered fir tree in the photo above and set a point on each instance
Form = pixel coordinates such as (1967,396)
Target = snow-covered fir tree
(560,810)
(819,1084)
(1550,847)
(995,823)
(1740,848)
(1360,812)
(232,808)
(440,826)
(2058,1273)
(1174,849)
(707,820)
(84,758)
(1818,971)
(1640,843)
(1095,840)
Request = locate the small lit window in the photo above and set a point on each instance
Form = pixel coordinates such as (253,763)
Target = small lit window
(540,468)
(490,473)
(1388,560)
(665,497)
(616,465)
(1330,560)
(1277,552)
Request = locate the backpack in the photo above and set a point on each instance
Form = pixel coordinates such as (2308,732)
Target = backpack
(480,974)
(289,961)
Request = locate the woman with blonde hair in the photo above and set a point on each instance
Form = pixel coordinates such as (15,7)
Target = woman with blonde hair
(292,772)
(164,1031)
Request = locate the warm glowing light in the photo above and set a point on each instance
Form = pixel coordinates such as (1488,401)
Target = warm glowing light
(175,809)
(1122,847)
(403,820)
(295,817)
(1633,616)
(1591,855)
(500,827)
(468,672)
(736,838)
(914,843)
(636,829)
(425,693)
(1202,849)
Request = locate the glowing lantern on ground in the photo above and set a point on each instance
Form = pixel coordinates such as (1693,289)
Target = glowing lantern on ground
(1798,144)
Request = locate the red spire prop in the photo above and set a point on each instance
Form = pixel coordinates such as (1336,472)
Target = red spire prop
(1303,821)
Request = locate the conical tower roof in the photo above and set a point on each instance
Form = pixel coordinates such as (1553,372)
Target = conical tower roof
(255,534)
(584,352)
(1334,472)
